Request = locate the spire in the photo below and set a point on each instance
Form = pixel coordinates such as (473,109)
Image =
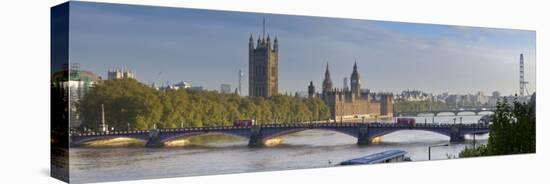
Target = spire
(263,27)
(268,42)
(327,72)
(327,82)
(251,42)
(355,80)
(310,89)
(275,44)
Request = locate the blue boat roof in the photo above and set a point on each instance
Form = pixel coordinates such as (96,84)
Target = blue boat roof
(375,158)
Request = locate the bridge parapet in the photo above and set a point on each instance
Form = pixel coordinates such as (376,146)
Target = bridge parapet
(257,134)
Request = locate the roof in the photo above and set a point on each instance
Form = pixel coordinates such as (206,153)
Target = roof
(77,75)
(375,158)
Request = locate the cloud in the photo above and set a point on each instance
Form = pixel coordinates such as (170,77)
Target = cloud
(209,47)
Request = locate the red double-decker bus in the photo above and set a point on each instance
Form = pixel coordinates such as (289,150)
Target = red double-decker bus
(406,121)
(243,122)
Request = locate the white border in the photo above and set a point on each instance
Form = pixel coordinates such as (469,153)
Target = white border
(24,97)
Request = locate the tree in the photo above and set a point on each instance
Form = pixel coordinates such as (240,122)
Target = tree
(128,102)
(513,130)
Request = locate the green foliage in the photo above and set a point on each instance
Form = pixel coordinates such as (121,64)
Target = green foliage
(474,152)
(513,131)
(420,106)
(128,102)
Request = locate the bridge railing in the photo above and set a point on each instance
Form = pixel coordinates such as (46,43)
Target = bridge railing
(287,125)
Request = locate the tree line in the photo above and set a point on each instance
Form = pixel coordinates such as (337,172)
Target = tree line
(513,131)
(419,106)
(129,104)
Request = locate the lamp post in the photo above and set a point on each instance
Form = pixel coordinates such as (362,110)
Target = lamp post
(430,149)
(475,135)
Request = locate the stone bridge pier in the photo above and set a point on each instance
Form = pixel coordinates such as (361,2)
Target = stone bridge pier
(256,137)
(154,140)
(456,135)
(363,135)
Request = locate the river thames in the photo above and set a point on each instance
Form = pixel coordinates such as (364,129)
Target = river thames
(219,154)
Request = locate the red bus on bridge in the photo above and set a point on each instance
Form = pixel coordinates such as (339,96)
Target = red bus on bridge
(243,122)
(406,121)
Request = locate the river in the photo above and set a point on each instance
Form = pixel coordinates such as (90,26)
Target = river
(217,154)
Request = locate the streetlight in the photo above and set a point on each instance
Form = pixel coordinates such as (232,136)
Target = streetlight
(430,149)
(475,135)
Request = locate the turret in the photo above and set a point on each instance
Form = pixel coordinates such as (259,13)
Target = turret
(355,81)
(268,43)
(327,82)
(251,43)
(311,90)
(276,45)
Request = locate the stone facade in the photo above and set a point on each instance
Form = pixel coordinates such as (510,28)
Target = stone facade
(353,103)
(263,71)
(120,74)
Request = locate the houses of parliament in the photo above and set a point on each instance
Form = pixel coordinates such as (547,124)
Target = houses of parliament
(263,61)
(349,103)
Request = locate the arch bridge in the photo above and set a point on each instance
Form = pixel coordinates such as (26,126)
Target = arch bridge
(258,134)
(455,112)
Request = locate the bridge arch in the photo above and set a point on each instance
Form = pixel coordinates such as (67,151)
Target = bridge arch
(486,112)
(380,133)
(426,114)
(445,113)
(278,133)
(107,137)
(466,113)
(174,136)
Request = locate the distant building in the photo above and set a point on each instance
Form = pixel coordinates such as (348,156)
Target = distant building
(239,90)
(196,88)
(496,94)
(353,102)
(480,99)
(311,90)
(181,85)
(79,83)
(177,86)
(263,63)
(493,99)
(413,96)
(225,88)
(113,74)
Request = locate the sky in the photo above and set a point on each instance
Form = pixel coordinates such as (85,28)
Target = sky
(207,48)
